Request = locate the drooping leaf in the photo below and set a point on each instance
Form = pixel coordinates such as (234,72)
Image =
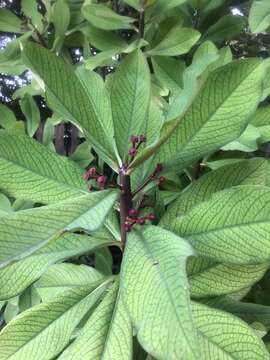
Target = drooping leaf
(50,324)
(16,277)
(103,17)
(33,228)
(246,172)
(225,28)
(107,335)
(9,22)
(259,16)
(233,226)
(223,336)
(155,291)
(218,115)
(30,171)
(178,41)
(61,277)
(31,112)
(84,105)
(60,17)
(130,98)
(218,279)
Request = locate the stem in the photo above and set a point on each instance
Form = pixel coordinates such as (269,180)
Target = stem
(125,204)
(141,24)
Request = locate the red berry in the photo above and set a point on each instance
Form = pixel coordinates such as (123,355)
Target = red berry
(128,227)
(134,139)
(151,217)
(132,152)
(140,221)
(101,180)
(142,138)
(92,171)
(133,213)
(159,167)
(161,179)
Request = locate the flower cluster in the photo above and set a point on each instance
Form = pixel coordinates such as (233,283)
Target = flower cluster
(133,219)
(136,142)
(92,173)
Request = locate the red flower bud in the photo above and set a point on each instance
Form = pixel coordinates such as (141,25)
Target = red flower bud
(132,152)
(161,179)
(134,139)
(159,168)
(140,221)
(133,213)
(101,180)
(151,217)
(128,227)
(142,138)
(90,174)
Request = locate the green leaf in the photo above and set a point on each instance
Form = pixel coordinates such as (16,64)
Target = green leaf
(61,277)
(30,171)
(261,120)
(9,22)
(165,5)
(233,226)
(130,98)
(11,309)
(225,28)
(178,41)
(50,324)
(82,155)
(16,277)
(105,18)
(107,335)
(247,172)
(31,112)
(60,17)
(155,291)
(5,205)
(84,105)
(208,125)
(218,279)
(30,9)
(136,4)
(169,72)
(104,261)
(247,142)
(7,119)
(33,228)
(259,16)
(223,336)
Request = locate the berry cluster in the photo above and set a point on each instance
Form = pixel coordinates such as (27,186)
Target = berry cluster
(136,142)
(133,219)
(92,173)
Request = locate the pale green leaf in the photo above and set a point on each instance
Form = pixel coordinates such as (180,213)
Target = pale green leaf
(11,309)
(50,324)
(82,155)
(104,261)
(61,277)
(103,17)
(247,172)
(232,226)
(218,279)
(107,335)
(218,115)
(261,120)
(88,107)
(247,142)
(225,28)
(130,98)
(60,16)
(16,277)
(30,9)
(31,112)
(155,291)
(259,16)
(9,22)
(7,117)
(223,336)
(30,171)
(5,205)
(136,4)
(33,228)
(178,41)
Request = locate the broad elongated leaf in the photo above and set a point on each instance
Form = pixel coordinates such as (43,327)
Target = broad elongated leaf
(223,336)
(107,335)
(105,18)
(31,112)
(155,291)
(30,171)
(164,5)
(218,279)
(218,115)
(68,95)
(233,226)
(60,17)
(9,22)
(61,277)
(18,276)
(50,324)
(261,120)
(259,16)
(33,228)
(8,119)
(130,97)
(247,172)
(178,41)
